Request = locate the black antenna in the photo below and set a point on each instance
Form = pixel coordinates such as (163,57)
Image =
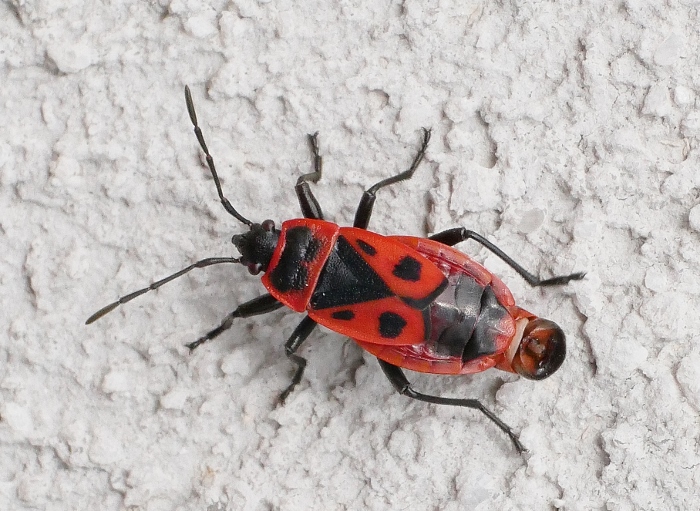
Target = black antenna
(210,161)
(199,264)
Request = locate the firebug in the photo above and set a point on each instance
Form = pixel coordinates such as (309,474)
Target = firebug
(414,303)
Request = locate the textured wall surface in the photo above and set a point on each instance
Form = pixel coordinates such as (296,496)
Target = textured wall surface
(566,132)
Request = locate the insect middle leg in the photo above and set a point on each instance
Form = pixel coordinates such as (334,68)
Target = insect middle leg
(364,209)
(403,386)
(451,237)
(260,305)
(301,332)
(310,207)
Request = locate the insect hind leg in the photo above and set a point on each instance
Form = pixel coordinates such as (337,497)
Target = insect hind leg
(364,209)
(300,334)
(451,237)
(403,386)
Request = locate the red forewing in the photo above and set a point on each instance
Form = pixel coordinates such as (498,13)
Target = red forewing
(385,321)
(438,252)
(421,359)
(405,271)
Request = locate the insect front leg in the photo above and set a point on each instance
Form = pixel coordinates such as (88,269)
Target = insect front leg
(403,386)
(260,305)
(451,237)
(301,332)
(364,209)
(310,207)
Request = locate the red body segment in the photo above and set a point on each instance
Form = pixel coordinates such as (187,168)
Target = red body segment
(405,296)
(407,299)
(423,357)
(366,323)
(412,302)
(389,254)
(325,234)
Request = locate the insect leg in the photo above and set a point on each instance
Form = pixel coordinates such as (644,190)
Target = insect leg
(364,209)
(301,332)
(210,161)
(199,264)
(309,205)
(403,386)
(260,305)
(451,237)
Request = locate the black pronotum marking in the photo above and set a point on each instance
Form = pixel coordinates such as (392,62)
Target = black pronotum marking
(345,315)
(312,250)
(391,325)
(366,247)
(300,246)
(408,268)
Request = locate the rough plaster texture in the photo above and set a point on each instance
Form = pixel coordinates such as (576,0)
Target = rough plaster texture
(566,132)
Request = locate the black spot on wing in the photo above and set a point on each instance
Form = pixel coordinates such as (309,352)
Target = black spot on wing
(408,268)
(391,325)
(344,315)
(366,247)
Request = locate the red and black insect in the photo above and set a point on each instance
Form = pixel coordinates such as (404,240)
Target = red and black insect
(414,303)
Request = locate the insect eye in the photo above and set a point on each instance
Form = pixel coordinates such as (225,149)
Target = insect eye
(268,225)
(542,350)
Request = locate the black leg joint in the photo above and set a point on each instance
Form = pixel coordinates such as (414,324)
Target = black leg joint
(451,237)
(310,207)
(364,210)
(260,305)
(403,386)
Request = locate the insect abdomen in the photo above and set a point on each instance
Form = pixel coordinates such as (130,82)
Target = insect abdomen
(470,318)
(467,320)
